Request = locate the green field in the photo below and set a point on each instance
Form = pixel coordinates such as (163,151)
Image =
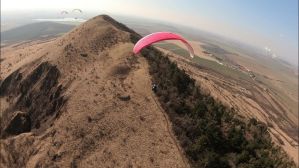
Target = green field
(235,74)
(224,70)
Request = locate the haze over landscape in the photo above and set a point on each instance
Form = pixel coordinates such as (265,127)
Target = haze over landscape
(73,93)
(268,23)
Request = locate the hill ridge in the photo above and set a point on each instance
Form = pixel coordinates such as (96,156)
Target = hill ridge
(84,98)
(93,124)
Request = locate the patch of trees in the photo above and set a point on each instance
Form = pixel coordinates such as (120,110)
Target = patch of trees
(212,135)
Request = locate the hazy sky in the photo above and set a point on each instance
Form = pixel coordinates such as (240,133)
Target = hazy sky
(271,23)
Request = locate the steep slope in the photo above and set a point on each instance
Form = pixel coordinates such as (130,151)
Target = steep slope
(246,99)
(250,100)
(211,134)
(82,100)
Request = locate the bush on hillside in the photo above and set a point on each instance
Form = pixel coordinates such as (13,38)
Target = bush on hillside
(210,133)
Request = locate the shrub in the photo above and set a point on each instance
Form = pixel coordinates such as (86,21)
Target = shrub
(208,131)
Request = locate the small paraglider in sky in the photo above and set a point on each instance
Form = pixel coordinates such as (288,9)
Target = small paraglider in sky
(75,11)
(64,12)
(160,36)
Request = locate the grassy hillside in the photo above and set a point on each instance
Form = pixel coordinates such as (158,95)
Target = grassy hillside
(211,134)
(34,31)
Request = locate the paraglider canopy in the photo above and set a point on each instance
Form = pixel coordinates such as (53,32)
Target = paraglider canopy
(78,10)
(160,36)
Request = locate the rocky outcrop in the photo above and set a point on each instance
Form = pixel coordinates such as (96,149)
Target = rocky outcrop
(38,95)
(19,123)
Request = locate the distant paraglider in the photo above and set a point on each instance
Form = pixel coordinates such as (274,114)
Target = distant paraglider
(77,10)
(64,12)
(73,14)
(160,36)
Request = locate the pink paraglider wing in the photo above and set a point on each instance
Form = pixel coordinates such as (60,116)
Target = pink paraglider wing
(160,36)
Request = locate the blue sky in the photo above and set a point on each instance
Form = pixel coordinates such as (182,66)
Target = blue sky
(272,18)
(271,23)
